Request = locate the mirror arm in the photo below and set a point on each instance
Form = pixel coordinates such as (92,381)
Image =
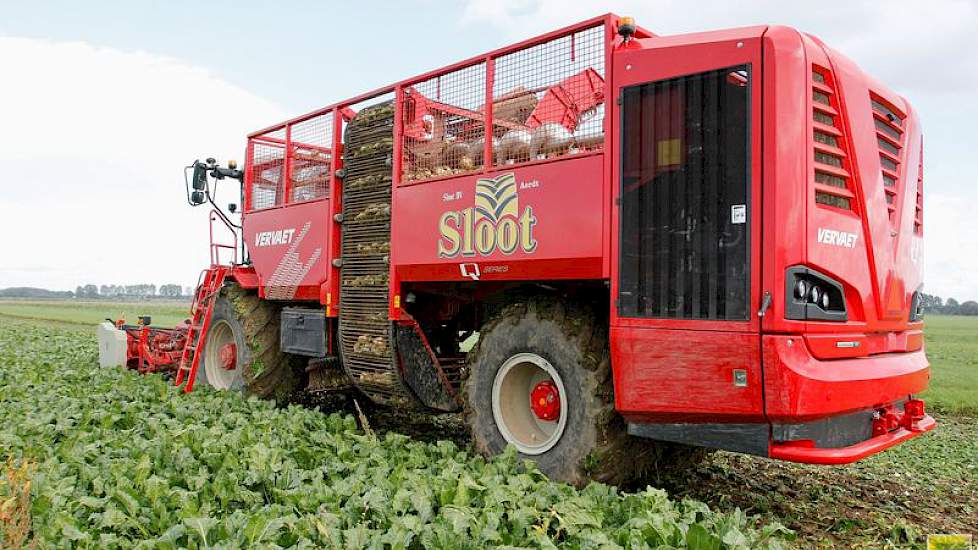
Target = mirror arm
(218,173)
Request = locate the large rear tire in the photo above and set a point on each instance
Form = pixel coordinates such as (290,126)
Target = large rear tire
(560,351)
(252,325)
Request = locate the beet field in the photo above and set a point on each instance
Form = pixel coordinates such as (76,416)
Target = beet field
(106,458)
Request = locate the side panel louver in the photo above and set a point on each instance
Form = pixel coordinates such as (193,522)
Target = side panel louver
(918,216)
(889,136)
(832,172)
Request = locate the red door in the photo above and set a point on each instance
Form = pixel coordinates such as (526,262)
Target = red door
(686,229)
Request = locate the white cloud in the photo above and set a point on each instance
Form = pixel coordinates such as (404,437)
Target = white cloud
(923,50)
(951,248)
(923,45)
(92,147)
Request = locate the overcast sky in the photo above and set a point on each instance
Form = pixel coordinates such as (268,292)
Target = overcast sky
(101,105)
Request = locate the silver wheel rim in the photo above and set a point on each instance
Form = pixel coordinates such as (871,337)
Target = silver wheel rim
(219,334)
(511,409)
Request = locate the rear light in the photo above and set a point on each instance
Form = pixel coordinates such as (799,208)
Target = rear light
(801,289)
(813,296)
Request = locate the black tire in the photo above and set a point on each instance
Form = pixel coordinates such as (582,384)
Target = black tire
(264,370)
(594,444)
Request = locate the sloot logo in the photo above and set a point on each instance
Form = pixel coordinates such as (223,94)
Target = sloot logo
(495,222)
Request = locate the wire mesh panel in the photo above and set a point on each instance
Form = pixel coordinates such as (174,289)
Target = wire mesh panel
(267,165)
(310,158)
(443,124)
(548,99)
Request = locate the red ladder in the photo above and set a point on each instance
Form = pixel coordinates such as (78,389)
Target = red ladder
(202,308)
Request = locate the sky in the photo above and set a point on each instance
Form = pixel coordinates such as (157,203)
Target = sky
(102,106)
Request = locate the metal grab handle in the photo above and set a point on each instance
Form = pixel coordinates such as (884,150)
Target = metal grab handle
(216,247)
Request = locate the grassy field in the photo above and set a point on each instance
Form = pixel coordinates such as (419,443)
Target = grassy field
(952,347)
(166,314)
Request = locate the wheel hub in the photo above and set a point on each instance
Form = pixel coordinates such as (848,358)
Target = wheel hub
(545,401)
(221,357)
(229,356)
(536,428)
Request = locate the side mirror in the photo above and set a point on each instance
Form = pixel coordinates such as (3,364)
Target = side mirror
(200,177)
(198,183)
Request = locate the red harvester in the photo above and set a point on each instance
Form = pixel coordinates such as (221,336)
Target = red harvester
(606,247)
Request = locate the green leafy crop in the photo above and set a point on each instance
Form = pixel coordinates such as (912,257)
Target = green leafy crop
(124,460)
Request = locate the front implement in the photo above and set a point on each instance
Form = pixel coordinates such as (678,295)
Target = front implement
(178,350)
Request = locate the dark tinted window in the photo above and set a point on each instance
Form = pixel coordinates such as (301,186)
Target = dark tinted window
(685,215)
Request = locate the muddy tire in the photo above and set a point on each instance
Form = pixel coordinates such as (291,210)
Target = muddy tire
(253,326)
(541,339)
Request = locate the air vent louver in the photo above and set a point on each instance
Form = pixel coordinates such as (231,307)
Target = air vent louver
(832,174)
(918,216)
(889,137)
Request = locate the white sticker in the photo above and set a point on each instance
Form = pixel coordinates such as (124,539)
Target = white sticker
(738,213)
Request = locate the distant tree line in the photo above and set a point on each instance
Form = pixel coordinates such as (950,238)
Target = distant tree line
(90,291)
(31,292)
(138,291)
(132,291)
(935,304)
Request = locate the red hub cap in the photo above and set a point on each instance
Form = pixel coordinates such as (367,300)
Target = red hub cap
(545,401)
(229,356)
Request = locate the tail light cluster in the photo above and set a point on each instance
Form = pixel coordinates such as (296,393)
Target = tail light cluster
(813,296)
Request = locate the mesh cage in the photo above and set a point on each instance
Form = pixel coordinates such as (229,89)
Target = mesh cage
(267,165)
(308,164)
(310,157)
(548,99)
(443,124)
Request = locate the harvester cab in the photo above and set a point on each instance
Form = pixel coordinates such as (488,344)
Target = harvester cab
(607,246)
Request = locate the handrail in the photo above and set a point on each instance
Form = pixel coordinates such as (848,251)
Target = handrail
(215,248)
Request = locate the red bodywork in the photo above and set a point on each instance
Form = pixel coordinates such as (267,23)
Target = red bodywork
(564,223)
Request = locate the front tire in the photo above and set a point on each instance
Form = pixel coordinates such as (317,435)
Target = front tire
(252,326)
(565,348)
